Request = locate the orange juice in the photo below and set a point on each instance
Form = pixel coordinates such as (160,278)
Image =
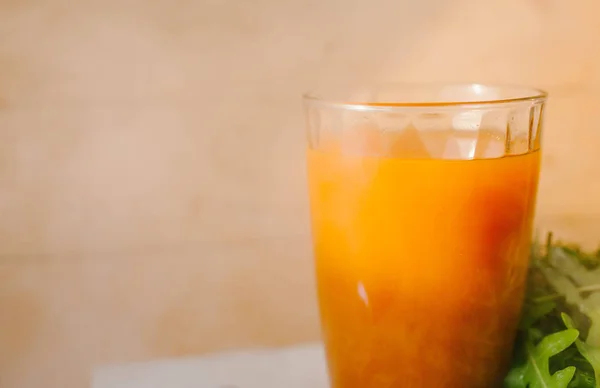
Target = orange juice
(421,262)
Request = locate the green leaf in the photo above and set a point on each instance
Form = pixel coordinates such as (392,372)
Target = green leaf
(577,284)
(563,291)
(583,380)
(590,353)
(533,312)
(535,373)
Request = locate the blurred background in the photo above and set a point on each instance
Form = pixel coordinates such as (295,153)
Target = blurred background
(152,184)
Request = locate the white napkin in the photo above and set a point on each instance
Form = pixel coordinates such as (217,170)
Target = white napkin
(296,367)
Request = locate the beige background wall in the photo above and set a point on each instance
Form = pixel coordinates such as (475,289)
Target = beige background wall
(152,198)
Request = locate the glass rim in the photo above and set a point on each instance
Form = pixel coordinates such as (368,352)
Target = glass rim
(523,94)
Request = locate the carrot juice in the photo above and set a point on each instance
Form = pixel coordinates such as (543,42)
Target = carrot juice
(421,260)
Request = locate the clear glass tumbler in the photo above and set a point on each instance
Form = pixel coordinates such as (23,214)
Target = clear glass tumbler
(422,205)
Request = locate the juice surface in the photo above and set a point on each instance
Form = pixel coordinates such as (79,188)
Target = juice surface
(421,264)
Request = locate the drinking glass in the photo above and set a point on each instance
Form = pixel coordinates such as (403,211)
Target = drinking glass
(422,202)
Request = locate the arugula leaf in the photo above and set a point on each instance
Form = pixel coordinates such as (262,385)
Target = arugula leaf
(563,292)
(533,312)
(535,373)
(590,353)
(583,380)
(577,284)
